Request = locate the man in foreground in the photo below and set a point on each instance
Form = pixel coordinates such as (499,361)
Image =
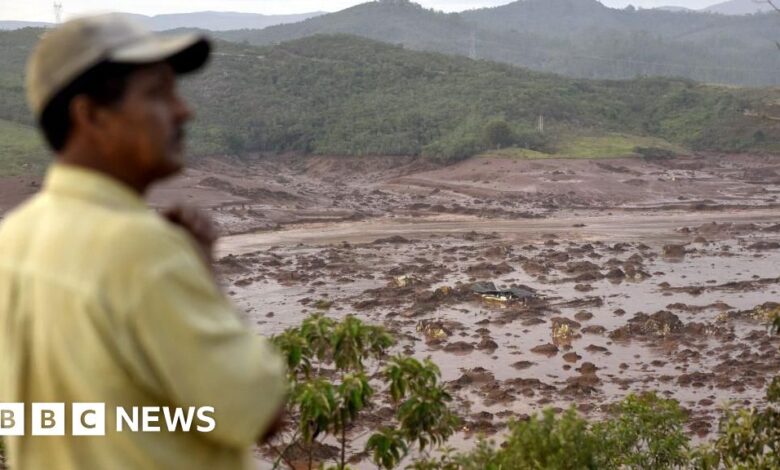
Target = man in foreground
(103,301)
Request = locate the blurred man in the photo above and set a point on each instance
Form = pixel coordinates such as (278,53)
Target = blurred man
(101,299)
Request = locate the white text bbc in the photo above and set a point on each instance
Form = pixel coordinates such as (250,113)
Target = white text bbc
(89,419)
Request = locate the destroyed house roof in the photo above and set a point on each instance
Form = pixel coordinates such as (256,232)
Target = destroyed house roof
(489,288)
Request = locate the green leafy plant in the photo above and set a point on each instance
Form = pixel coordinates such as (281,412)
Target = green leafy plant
(497,134)
(328,363)
(642,432)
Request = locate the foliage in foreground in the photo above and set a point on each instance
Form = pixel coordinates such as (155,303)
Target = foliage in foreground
(328,360)
(331,387)
(643,432)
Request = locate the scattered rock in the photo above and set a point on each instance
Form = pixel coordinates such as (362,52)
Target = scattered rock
(571,357)
(548,349)
(459,347)
(674,251)
(521,365)
(583,315)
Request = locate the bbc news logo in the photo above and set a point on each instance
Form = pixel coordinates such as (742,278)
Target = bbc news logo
(89,419)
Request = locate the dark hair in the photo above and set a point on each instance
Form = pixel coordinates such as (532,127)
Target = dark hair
(104,83)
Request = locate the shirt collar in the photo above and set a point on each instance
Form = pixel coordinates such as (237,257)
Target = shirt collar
(91,185)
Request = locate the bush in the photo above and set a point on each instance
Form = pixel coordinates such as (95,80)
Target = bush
(644,432)
(498,134)
(327,361)
(654,153)
(532,139)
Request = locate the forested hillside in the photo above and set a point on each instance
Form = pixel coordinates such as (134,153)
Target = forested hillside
(347,95)
(578,38)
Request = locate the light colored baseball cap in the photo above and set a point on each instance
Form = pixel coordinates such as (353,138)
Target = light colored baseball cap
(67,52)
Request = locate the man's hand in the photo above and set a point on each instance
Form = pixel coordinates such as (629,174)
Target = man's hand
(276,427)
(198,224)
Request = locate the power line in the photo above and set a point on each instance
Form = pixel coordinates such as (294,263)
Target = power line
(58,12)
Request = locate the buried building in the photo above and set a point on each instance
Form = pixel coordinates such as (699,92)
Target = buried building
(489,291)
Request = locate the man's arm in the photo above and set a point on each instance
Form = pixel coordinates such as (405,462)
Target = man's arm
(201,354)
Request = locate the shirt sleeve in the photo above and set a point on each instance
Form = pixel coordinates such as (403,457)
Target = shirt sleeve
(202,354)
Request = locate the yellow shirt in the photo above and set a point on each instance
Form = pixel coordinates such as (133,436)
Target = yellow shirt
(103,301)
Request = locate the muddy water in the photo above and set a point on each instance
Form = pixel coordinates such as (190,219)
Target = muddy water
(728,357)
(619,226)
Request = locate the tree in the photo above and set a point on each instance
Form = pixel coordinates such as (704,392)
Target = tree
(644,432)
(330,387)
(498,134)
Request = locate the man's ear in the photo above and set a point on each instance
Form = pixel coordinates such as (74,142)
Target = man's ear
(82,113)
(87,115)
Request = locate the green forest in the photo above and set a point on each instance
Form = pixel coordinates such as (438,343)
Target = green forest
(576,38)
(344,95)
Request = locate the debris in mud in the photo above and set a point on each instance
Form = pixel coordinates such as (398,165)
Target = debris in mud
(763,245)
(564,331)
(394,240)
(634,272)
(459,347)
(615,273)
(659,324)
(487,344)
(254,194)
(489,291)
(535,269)
(764,312)
(482,424)
(483,270)
(583,315)
(521,365)
(581,267)
(571,357)
(476,376)
(719,306)
(584,384)
(548,349)
(674,251)
(435,331)
(594,330)
(405,280)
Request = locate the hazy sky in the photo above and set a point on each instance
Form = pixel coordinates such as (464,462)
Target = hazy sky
(41,10)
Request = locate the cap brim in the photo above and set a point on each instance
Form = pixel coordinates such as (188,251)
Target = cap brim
(186,53)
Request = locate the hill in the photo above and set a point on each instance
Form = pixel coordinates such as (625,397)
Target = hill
(577,38)
(209,20)
(346,95)
(9,25)
(739,7)
(221,21)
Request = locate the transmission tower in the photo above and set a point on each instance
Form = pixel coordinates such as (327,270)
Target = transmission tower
(473,50)
(58,12)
